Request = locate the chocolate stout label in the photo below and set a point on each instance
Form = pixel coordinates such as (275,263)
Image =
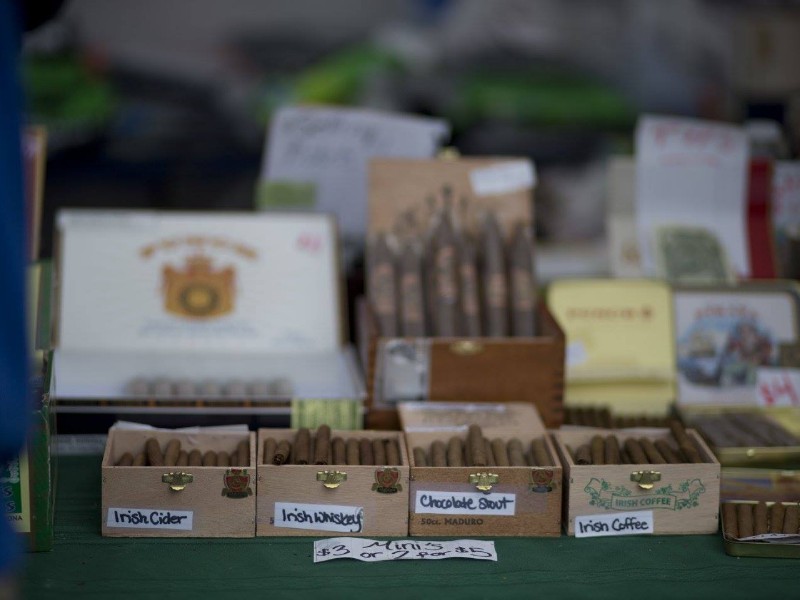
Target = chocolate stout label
(684,496)
(383,289)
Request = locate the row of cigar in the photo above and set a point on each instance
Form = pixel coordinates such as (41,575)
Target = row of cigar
(163,387)
(174,456)
(743,429)
(607,450)
(451,284)
(590,416)
(743,520)
(320,449)
(478,451)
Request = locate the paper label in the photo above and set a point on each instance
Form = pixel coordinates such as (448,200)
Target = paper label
(503,179)
(469,503)
(778,387)
(367,550)
(327,517)
(625,523)
(576,354)
(150,518)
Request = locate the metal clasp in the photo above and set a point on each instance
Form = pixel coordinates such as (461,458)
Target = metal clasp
(646,479)
(331,479)
(177,481)
(466,347)
(484,481)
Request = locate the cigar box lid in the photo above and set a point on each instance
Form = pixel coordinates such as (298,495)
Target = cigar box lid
(511,418)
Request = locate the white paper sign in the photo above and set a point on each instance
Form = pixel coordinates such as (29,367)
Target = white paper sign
(331,147)
(367,550)
(625,523)
(503,179)
(327,517)
(777,386)
(465,503)
(150,518)
(692,173)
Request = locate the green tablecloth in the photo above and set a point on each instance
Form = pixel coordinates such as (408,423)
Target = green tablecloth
(84,563)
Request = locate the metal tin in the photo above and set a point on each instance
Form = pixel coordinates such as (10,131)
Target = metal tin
(734,547)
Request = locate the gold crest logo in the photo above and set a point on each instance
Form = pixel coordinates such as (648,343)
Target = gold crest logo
(198,291)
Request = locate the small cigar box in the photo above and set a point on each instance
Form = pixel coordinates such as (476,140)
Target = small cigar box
(318,500)
(188,501)
(760,484)
(480,501)
(672,498)
(767,545)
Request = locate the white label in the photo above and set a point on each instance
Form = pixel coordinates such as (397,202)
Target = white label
(469,503)
(778,387)
(150,518)
(326,517)
(626,523)
(503,179)
(576,354)
(367,550)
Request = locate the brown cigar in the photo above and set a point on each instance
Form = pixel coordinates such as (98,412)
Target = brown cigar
(606,422)
(438,454)
(583,455)
(392,452)
(776,517)
(210,459)
(624,457)
(487,448)
(140,460)
(685,443)
(322,445)
(495,286)
(477,449)
(270,446)
(195,458)
(126,460)
(365,450)
(500,453)
(378,452)
(635,451)
(516,453)
(744,514)
(171,453)
(420,459)
(539,453)
(381,287)
(598,450)
(612,450)
(667,452)
(760,517)
(791,517)
(243,453)
(352,451)
(730,521)
(445,280)
(412,301)
(223,459)
(153,451)
(282,453)
(652,453)
(339,451)
(455,452)
(183,459)
(470,293)
(302,446)
(521,279)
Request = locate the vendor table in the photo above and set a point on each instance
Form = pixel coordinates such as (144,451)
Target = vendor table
(84,564)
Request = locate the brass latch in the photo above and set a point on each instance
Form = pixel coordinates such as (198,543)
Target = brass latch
(484,481)
(646,479)
(331,479)
(177,481)
(466,347)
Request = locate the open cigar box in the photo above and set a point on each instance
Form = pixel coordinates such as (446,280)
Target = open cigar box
(775,542)
(317,500)
(489,500)
(480,357)
(675,498)
(178,501)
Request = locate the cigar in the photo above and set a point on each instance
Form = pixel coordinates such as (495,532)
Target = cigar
(352,452)
(235,388)
(302,446)
(445,263)
(270,447)
(605,420)
(744,514)
(365,450)
(243,453)
(420,459)
(183,459)
(195,458)
(569,416)
(539,453)
(140,460)
(670,455)
(210,459)
(339,451)
(438,454)
(685,443)
(381,286)
(171,453)
(477,449)
(223,459)
(598,450)
(776,517)
(162,388)
(523,286)
(624,457)
(322,445)
(126,460)
(487,448)
(139,387)
(791,517)
(653,455)
(583,455)
(635,451)
(282,452)
(185,388)
(495,286)
(392,453)
(412,301)
(612,450)
(455,452)
(153,450)
(516,453)
(761,523)
(378,452)
(500,453)
(730,521)
(210,388)
(470,293)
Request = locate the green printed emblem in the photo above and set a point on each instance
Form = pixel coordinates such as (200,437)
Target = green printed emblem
(618,497)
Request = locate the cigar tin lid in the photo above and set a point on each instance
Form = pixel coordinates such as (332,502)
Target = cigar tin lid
(511,419)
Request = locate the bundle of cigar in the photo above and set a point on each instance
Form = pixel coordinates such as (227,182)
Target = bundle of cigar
(319,449)
(592,416)
(743,519)
(479,451)
(743,429)
(607,450)
(446,282)
(163,387)
(174,456)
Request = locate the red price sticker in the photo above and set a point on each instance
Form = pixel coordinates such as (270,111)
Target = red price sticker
(778,387)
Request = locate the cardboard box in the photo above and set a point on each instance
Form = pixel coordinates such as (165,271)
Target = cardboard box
(683,498)
(480,501)
(320,500)
(177,501)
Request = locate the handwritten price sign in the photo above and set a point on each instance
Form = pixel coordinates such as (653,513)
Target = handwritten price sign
(367,550)
(778,387)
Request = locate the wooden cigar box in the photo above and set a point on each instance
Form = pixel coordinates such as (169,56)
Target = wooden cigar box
(173,501)
(764,546)
(682,498)
(480,501)
(319,500)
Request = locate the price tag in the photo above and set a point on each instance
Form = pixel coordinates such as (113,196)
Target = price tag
(778,387)
(367,550)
